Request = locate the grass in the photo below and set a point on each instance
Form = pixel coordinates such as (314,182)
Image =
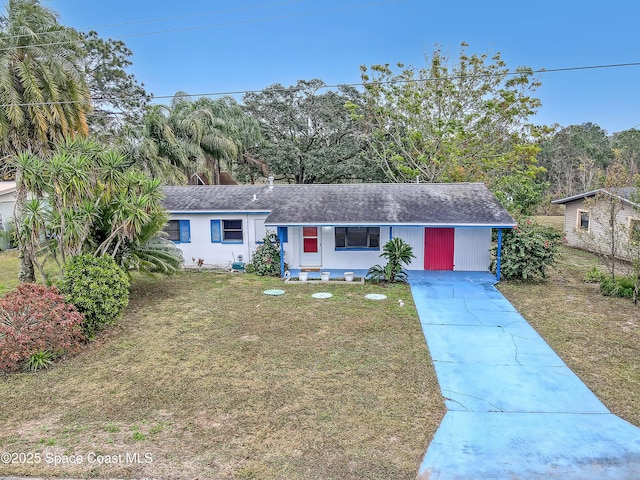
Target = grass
(9,268)
(213,379)
(598,337)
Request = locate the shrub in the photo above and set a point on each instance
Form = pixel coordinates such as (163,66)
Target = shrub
(266,258)
(40,359)
(621,287)
(527,250)
(35,319)
(398,253)
(98,288)
(594,276)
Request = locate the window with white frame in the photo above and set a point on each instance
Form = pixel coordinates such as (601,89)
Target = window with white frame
(583,218)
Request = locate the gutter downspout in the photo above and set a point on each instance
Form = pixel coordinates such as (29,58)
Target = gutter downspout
(498,254)
(281,242)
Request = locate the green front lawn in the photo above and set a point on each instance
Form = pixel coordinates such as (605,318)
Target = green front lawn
(9,269)
(216,380)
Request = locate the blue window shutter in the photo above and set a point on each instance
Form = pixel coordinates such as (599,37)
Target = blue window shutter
(283,234)
(185,231)
(216,231)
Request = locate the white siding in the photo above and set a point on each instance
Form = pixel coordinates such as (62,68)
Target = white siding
(472,249)
(571,221)
(596,228)
(471,245)
(414,236)
(7,203)
(219,254)
(347,259)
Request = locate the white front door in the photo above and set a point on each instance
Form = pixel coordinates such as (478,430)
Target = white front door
(310,250)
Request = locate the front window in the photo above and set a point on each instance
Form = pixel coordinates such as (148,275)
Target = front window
(232,230)
(583,220)
(357,238)
(310,239)
(178,231)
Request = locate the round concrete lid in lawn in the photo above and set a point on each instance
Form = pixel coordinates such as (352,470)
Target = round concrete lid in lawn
(274,292)
(322,295)
(375,296)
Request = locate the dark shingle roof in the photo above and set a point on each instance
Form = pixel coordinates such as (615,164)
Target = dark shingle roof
(364,203)
(627,194)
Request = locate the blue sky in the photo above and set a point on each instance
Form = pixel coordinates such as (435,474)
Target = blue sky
(251,44)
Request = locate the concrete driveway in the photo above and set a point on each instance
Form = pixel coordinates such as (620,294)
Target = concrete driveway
(515,410)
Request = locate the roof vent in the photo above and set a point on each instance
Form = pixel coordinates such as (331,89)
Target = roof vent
(255,197)
(270,183)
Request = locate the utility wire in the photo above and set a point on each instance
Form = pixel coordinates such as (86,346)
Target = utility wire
(356,84)
(216,25)
(152,20)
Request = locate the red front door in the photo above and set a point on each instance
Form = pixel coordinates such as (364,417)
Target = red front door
(438,248)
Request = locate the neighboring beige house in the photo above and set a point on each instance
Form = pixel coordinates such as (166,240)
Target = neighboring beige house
(581,214)
(7,202)
(8,193)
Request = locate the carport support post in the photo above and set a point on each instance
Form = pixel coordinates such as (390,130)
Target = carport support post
(498,254)
(281,242)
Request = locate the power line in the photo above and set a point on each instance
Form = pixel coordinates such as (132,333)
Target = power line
(418,80)
(162,19)
(357,84)
(217,25)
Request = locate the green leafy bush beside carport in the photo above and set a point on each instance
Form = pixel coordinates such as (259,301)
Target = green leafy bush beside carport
(528,249)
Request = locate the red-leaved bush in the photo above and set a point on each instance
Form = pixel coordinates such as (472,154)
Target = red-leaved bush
(36,318)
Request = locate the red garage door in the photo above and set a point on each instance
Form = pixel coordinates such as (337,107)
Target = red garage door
(438,248)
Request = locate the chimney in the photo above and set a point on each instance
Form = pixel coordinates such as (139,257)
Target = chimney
(270,183)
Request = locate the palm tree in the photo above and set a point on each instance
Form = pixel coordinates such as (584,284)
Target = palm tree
(94,203)
(44,97)
(156,149)
(29,180)
(193,141)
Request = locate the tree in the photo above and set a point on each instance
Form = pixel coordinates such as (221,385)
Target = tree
(43,92)
(118,99)
(310,137)
(454,120)
(575,158)
(626,149)
(218,129)
(193,141)
(89,200)
(156,149)
(607,236)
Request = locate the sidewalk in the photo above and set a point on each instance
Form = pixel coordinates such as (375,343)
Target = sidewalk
(515,410)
